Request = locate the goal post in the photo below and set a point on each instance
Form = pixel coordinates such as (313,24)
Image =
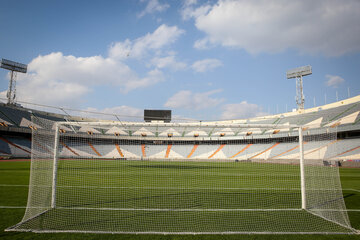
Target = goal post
(55,165)
(302,168)
(184,178)
(107,124)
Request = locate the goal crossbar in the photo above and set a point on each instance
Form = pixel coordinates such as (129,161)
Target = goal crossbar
(164,124)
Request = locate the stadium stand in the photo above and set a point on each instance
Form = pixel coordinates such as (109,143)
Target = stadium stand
(16,127)
(349,150)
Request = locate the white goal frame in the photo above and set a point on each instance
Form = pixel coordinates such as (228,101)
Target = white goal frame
(277,126)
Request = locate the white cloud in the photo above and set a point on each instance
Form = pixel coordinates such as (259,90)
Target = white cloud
(152,77)
(328,27)
(153,6)
(334,81)
(189,11)
(57,79)
(189,2)
(168,62)
(64,80)
(241,110)
(161,37)
(180,118)
(203,43)
(206,65)
(121,50)
(123,112)
(3,96)
(193,101)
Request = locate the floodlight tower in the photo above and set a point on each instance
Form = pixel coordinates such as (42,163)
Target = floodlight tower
(298,73)
(14,67)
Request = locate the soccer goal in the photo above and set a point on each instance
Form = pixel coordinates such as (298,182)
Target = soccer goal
(184,178)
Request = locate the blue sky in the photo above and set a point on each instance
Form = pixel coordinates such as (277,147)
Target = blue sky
(205,60)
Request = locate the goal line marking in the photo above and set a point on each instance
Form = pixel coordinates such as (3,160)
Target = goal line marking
(170,188)
(182,209)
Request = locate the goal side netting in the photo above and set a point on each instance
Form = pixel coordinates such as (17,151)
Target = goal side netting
(183,179)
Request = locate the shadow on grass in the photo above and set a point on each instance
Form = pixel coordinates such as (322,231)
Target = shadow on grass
(349,195)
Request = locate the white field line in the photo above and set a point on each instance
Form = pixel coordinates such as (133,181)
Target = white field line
(351,189)
(181,233)
(12,206)
(185,209)
(16,207)
(197,173)
(102,174)
(13,185)
(193,174)
(171,188)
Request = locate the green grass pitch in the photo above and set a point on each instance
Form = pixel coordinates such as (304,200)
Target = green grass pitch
(149,185)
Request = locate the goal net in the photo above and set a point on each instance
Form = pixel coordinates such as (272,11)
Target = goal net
(183,178)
